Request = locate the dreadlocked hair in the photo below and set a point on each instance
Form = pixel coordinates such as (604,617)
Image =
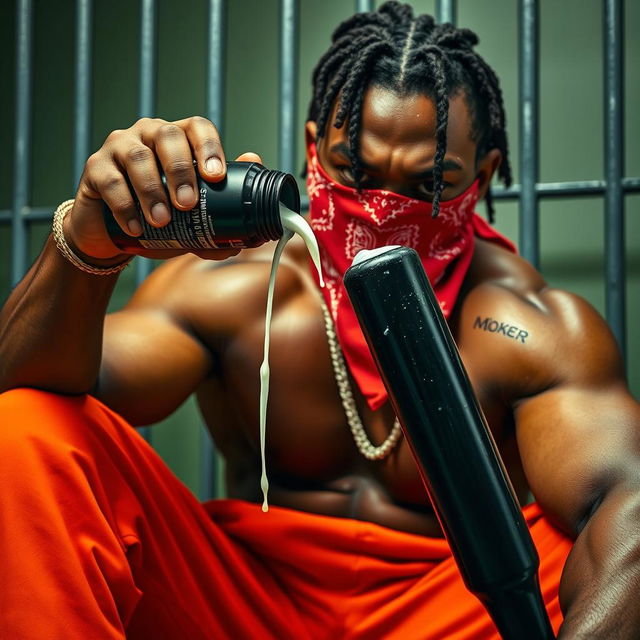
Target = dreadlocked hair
(395,50)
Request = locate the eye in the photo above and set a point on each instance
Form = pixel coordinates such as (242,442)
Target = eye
(346,175)
(428,186)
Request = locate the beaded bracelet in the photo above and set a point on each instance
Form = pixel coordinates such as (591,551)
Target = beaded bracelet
(67,252)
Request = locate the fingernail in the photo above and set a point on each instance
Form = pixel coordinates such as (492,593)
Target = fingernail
(135,228)
(213,165)
(184,195)
(160,213)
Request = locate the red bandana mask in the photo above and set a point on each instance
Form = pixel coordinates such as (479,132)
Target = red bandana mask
(346,221)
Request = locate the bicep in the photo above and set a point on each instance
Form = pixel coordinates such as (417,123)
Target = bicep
(150,364)
(576,442)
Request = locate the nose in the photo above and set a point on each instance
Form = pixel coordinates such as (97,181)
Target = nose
(394,178)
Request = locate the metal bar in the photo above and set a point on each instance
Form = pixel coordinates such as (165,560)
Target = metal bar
(22,151)
(211,463)
(288,90)
(364,6)
(216,60)
(82,100)
(148,23)
(528,54)
(146,99)
(615,299)
(29,214)
(146,107)
(577,189)
(446,11)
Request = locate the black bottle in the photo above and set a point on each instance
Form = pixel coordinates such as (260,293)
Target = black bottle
(241,211)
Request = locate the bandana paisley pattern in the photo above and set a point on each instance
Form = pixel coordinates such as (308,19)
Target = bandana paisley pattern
(346,220)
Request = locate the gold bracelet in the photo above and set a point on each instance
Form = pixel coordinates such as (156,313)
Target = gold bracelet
(67,252)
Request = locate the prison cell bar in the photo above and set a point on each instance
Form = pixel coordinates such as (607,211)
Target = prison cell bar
(446,11)
(146,109)
(147,96)
(288,85)
(615,295)
(528,192)
(22,165)
(82,98)
(211,481)
(528,100)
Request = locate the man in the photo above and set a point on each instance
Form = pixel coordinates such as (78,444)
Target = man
(406,129)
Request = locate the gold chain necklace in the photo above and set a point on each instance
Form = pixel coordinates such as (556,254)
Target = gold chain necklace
(365,446)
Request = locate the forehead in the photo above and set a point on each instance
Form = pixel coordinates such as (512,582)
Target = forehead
(407,121)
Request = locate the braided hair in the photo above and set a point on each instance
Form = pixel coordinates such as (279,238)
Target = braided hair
(397,51)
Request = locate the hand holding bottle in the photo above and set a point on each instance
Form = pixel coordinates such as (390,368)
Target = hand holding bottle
(129,166)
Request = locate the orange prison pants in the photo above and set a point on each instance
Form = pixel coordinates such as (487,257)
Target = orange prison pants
(99,540)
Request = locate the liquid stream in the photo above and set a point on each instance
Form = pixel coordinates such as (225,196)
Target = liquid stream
(293,223)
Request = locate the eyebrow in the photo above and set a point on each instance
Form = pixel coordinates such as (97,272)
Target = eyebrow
(447,165)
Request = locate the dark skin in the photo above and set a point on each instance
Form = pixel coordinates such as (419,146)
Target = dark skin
(556,400)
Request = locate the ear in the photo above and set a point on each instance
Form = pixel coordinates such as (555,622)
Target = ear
(486,167)
(310,132)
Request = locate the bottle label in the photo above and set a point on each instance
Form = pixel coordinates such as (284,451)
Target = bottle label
(187,229)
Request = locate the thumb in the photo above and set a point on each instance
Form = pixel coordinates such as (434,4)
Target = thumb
(249,156)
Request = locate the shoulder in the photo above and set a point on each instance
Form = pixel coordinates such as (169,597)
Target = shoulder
(216,297)
(526,336)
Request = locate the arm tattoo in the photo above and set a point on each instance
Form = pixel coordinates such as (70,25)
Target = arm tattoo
(496,326)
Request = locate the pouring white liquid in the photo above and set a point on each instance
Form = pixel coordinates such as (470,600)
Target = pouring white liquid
(292,223)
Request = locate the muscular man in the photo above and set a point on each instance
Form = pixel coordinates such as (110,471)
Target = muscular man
(99,540)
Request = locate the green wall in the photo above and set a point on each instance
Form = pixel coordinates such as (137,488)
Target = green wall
(571,121)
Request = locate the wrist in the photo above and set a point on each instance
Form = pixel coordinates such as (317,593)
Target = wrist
(110,261)
(68,248)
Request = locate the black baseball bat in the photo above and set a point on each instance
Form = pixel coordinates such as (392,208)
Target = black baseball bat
(440,416)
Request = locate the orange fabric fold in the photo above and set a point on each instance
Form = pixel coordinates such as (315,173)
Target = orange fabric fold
(100,540)
(354,579)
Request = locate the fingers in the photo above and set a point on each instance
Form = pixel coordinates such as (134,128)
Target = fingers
(153,147)
(176,145)
(134,160)
(104,180)
(206,147)
(174,155)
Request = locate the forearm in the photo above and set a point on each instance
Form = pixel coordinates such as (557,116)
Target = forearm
(600,586)
(51,326)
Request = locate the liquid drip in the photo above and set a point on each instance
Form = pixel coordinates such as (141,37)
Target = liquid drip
(293,223)
(296,223)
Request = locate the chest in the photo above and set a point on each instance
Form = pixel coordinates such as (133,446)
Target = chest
(308,437)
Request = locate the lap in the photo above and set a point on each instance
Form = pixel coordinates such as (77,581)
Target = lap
(143,557)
